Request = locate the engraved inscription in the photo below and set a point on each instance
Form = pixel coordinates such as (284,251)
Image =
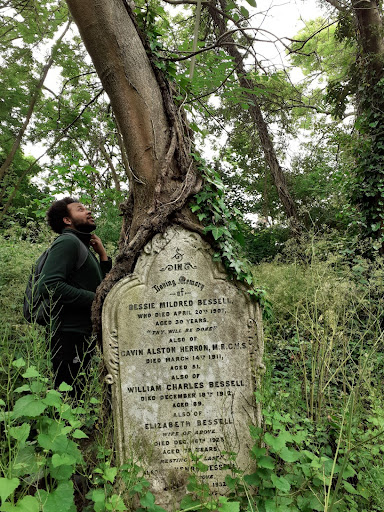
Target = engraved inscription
(185,346)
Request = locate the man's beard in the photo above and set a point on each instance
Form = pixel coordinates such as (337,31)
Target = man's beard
(84,227)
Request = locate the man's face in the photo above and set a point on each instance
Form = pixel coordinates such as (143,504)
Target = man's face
(79,218)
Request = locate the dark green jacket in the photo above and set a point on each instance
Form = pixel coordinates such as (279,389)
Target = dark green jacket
(73,290)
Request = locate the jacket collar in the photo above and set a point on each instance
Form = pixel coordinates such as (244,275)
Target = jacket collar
(84,237)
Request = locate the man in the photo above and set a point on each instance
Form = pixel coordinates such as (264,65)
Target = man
(72,289)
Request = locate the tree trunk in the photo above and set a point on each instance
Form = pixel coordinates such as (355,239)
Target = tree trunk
(271,159)
(156,138)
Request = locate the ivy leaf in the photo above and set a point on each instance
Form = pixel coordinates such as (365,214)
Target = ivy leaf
(255,431)
(7,487)
(258,452)
(97,496)
(217,232)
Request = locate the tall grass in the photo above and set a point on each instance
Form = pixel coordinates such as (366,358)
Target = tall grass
(322,445)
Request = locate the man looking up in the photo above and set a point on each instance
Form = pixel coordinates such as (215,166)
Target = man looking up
(72,289)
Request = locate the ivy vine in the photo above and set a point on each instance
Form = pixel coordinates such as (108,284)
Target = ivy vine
(222,223)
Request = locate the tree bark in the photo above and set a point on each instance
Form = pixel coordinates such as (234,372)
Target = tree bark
(111,167)
(255,111)
(156,138)
(370,28)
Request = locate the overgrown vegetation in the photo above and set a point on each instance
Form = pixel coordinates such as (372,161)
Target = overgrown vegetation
(321,447)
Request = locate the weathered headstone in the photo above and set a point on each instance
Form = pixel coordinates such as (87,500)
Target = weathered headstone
(181,345)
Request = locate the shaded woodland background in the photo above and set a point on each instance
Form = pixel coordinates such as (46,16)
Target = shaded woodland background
(293,166)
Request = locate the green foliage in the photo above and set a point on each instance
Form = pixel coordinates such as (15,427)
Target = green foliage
(40,430)
(322,444)
(221,224)
(368,191)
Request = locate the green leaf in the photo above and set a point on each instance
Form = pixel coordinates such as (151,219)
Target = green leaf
(228,506)
(255,431)
(315,504)
(349,488)
(62,460)
(280,483)
(65,387)
(53,398)
(289,455)
(266,462)
(7,487)
(188,502)
(252,3)
(21,389)
(79,434)
(117,503)
(26,504)
(148,500)
(110,474)
(28,406)
(253,479)
(270,506)
(96,495)
(20,433)
(19,363)
(244,11)
(276,443)
(61,499)
(258,452)
(31,372)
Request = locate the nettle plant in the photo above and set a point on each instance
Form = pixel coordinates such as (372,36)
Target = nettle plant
(41,452)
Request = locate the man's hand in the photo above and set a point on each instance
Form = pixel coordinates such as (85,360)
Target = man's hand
(98,247)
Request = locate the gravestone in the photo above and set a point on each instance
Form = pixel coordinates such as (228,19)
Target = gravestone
(182,346)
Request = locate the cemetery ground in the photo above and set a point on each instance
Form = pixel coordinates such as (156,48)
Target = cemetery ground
(322,443)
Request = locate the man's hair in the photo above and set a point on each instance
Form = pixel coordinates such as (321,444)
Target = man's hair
(57,211)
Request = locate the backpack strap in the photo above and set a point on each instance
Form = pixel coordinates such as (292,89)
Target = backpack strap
(83,250)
